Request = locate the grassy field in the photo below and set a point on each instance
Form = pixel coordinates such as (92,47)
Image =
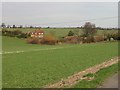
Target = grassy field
(15,44)
(39,68)
(60,32)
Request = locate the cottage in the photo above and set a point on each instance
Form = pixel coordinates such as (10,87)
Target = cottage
(37,33)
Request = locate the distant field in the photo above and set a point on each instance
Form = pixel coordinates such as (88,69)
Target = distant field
(60,32)
(39,68)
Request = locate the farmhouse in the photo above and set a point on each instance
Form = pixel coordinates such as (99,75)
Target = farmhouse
(37,33)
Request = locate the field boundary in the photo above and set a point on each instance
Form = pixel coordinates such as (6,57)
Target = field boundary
(34,50)
(75,78)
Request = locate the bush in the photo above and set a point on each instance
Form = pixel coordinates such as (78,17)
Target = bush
(70,33)
(109,36)
(23,35)
(4,31)
(61,39)
(16,32)
(33,40)
(49,39)
(98,38)
(72,39)
(88,39)
(118,38)
(115,36)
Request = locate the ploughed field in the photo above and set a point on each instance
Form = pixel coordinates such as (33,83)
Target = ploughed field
(41,65)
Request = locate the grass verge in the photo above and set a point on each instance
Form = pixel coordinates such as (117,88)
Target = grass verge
(100,76)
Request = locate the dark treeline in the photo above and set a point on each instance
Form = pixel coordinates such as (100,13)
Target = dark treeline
(3,25)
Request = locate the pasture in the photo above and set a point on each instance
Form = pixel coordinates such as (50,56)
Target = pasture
(40,65)
(61,32)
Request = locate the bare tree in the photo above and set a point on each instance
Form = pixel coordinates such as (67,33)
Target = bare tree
(89,29)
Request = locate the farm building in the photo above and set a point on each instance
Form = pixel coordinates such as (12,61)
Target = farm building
(37,33)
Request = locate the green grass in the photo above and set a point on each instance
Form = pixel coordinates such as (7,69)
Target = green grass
(39,68)
(15,44)
(61,32)
(100,76)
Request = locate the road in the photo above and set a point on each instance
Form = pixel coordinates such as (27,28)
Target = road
(111,82)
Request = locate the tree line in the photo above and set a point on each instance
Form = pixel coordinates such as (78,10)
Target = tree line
(3,25)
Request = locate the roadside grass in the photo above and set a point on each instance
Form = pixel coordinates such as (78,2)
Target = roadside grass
(100,76)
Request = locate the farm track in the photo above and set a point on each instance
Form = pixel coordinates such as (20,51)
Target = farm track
(74,79)
(33,50)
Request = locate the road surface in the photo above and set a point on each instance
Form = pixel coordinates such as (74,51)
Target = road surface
(111,82)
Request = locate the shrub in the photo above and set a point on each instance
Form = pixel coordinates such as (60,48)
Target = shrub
(70,33)
(61,39)
(109,36)
(115,36)
(88,39)
(98,38)
(16,32)
(33,40)
(118,38)
(49,39)
(4,31)
(23,35)
(72,39)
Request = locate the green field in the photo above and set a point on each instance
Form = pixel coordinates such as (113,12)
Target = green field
(50,63)
(60,32)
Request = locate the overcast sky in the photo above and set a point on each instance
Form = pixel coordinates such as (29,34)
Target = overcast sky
(60,13)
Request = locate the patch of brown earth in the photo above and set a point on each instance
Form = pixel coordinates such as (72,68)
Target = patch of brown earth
(72,80)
